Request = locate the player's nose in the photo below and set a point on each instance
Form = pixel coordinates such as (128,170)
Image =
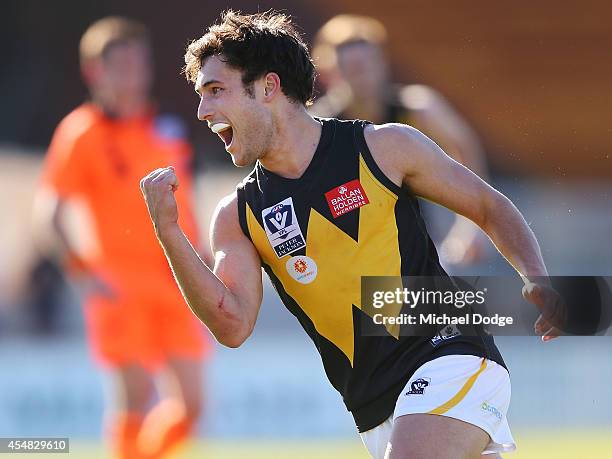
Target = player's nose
(205,111)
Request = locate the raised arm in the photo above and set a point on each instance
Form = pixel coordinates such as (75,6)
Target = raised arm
(226,299)
(407,156)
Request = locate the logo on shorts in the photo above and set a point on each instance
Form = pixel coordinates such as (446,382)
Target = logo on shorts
(492,410)
(417,387)
(345,198)
(282,228)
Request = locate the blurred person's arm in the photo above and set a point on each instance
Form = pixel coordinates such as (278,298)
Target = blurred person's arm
(65,175)
(407,156)
(53,239)
(435,116)
(50,235)
(227,298)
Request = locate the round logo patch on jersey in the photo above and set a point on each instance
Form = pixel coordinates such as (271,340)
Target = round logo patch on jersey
(302,269)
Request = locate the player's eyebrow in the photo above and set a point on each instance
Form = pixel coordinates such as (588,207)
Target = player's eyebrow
(203,86)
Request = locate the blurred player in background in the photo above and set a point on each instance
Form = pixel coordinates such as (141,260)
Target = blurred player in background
(135,316)
(350,54)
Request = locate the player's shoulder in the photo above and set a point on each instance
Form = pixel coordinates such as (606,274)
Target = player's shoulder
(395,147)
(72,134)
(227,209)
(78,123)
(391,136)
(227,201)
(225,223)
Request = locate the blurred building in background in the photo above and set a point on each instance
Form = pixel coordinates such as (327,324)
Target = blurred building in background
(534,79)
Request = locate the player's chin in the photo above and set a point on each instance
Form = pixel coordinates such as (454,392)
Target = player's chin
(238,159)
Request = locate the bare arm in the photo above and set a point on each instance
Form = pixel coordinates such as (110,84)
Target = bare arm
(434,115)
(226,299)
(49,233)
(407,156)
(53,238)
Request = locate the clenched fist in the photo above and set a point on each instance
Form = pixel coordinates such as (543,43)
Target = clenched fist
(158,189)
(553,317)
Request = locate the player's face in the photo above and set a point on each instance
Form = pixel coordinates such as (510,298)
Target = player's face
(363,67)
(235,113)
(127,70)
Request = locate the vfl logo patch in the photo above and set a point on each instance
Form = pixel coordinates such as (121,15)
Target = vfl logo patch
(346,198)
(417,387)
(282,228)
(302,269)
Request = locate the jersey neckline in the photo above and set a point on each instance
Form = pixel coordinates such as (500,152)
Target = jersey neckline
(325,140)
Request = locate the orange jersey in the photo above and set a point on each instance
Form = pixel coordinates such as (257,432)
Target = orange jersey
(102,161)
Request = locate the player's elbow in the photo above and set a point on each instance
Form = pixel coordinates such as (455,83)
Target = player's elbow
(233,338)
(495,208)
(233,327)
(232,342)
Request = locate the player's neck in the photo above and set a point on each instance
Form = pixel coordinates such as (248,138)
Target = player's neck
(296,137)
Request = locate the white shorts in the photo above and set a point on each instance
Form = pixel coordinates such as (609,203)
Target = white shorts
(472,389)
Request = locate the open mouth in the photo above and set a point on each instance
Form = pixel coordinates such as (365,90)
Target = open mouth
(224,131)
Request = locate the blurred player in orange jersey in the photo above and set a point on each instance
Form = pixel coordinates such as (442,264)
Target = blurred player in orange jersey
(135,315)
(350,54)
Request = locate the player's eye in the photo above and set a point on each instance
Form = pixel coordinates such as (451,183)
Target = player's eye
(216,90)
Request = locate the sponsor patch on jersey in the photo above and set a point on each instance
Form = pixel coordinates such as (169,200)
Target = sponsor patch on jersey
(303,269)
(448,332)
(346,198)
(282,228)
(417,387)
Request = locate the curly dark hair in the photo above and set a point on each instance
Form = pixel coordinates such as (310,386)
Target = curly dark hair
(257,44)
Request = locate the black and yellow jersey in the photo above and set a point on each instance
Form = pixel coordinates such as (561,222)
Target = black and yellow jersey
(318,235)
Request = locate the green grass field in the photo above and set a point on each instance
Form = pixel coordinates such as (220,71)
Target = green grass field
(531,445)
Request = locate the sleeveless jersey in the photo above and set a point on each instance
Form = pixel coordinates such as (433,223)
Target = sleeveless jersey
(318,235)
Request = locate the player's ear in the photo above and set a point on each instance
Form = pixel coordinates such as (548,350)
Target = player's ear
(271,86)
